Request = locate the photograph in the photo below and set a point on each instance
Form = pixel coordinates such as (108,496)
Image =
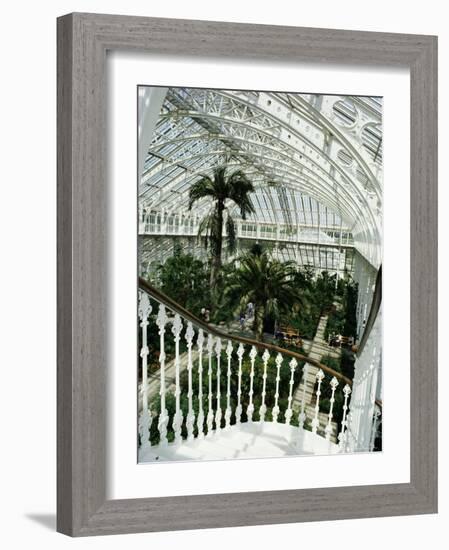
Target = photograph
(225,333)
(259,260)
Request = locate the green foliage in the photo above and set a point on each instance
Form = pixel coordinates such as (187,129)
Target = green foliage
(347,363)
(223,310)
(343,321)
(318,295)
(325,290)
(331,362)
(335,323)
(337,411)
(256,249)
(267,283)
(185,280)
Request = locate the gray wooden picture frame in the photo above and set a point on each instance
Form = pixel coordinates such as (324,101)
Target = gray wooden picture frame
(83,40)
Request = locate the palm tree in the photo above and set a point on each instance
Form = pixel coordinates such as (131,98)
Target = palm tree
(256,249)
(221,187)
(268,283)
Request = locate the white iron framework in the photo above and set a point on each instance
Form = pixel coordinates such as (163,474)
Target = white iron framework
(316,165)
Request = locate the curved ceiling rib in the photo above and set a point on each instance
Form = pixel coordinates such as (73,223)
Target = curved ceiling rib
(326,147)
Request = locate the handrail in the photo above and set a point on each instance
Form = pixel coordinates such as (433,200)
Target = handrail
(166,300)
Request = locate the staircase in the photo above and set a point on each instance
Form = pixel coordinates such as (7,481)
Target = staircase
(248,440)
(223,416)
(306,389)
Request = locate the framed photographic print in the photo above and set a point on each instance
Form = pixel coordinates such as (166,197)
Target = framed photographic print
(242,260)
(247,274)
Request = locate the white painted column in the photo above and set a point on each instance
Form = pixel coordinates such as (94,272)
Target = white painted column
(364,387)
(339,252)
(150,105)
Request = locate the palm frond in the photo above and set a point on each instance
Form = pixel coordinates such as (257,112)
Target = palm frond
(266,282)
(239,189)
(221,187)
(204,229)
(204,187)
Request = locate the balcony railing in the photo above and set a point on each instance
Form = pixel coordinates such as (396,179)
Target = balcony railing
(229,380)
(157,224)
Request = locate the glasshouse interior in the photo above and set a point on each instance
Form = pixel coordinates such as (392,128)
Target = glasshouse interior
(260,249)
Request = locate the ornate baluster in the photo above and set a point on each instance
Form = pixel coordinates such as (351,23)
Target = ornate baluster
(288,415)
(344,423)
(238,410)
(178,418)
(145,422)
(263,407)
(250,409)
(210,414)
(279,360)
(315,421)
(145,416)
(200,419)
(190,420)
(302,414)
(218,412)
(328,428)
(161,321)
(228,411)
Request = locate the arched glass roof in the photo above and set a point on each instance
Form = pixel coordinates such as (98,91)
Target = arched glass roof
(313,159)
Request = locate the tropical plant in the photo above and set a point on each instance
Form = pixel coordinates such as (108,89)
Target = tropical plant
(325,290)
(256,249)
(184,279)
(221,188)
(267,283)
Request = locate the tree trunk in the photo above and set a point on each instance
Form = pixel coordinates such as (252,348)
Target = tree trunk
(217,245)
(259,317)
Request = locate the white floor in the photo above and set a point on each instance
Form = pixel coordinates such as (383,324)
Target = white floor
(248,440)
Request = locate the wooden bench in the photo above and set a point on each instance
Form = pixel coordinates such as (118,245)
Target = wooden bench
(340,341)
(289,335)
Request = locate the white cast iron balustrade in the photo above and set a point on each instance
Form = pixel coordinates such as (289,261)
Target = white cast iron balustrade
(209,414)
